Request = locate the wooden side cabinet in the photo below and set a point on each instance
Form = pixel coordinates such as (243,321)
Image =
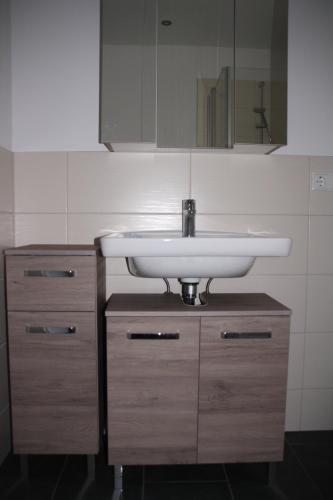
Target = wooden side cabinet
(196,384)
(54,300)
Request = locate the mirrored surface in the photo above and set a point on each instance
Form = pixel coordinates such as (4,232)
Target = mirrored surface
(261,33)
(194,73)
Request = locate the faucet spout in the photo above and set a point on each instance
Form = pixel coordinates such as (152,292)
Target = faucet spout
(188,218)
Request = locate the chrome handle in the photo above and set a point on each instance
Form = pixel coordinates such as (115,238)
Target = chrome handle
(153,336)
(246,335)
(50,274)
(67,330)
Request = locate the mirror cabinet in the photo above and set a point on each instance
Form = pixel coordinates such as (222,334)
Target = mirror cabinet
(193,74)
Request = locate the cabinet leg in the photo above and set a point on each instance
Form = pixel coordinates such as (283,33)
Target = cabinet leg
(118,482)
(271,476)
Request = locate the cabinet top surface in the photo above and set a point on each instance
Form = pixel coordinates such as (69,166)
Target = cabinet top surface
(219,304)
(53,250)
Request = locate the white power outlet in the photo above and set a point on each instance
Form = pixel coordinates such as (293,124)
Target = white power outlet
(322,182)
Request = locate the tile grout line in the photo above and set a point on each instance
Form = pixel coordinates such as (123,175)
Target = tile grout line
(300,420)
(228,482)
(58,481)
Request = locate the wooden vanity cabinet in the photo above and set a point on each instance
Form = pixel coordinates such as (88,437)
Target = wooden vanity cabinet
(55,296)
(153,390)
(215,394)
(242,388)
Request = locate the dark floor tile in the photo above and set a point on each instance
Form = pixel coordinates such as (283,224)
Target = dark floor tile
(256,472)
(317,459)
(43,473)
(308,437)
(9,473)
(133,474)
(171,473)
(72,478)
(254,491)
(293,480)
(187,491)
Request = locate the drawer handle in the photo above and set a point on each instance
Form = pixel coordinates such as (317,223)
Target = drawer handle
(50,274)
(246,335)
(67,330)
(153,336)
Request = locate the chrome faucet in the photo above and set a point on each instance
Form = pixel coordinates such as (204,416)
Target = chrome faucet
(188,220)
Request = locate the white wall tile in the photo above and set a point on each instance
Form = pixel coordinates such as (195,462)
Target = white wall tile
(40,228)
(317,410)
(2,313)
(290,290)
(84,228)
(6,181)
(319,304)
(3,377)
(293,410)
(41,182)
(116,266)
(318,366)
(321,244)
(296,361)
(132,284)
(250,184)
(295,227)
(128,182)
(6,236)
(321,202)
(4,434)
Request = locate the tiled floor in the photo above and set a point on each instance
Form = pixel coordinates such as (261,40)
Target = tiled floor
(305,474)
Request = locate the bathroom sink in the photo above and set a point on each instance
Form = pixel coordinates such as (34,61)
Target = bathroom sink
(209,254)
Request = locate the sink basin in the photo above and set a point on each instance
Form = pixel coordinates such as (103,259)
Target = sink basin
(210,254)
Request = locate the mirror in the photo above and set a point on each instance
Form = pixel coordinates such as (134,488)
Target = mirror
(193,73)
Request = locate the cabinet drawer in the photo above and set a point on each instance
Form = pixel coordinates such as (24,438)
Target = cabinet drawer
(243,377)
(152,389)
(51,283)
(54,386)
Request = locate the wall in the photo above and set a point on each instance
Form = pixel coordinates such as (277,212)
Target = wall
(85,195)
(55,71)
(5,76)
(6,240)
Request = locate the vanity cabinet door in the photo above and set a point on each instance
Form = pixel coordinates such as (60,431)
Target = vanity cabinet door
(152,385)
(243,376)
(54,386)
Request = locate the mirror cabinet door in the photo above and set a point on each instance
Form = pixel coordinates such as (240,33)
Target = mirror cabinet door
(261,28)
(193,73)
(128,71)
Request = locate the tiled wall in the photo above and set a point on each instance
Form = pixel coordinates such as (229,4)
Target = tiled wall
(6,240)
(77,197)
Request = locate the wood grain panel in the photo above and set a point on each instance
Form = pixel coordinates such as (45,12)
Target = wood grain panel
(54,386)
(25,293)
(152,391)
(242,390)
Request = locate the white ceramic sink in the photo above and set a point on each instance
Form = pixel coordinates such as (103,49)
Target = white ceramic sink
(166,254)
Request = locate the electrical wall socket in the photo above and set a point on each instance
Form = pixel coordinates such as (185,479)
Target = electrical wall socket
(322,182)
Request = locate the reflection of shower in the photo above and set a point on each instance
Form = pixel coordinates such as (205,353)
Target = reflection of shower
(263,125)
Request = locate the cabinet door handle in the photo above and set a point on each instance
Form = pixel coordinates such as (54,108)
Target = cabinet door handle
(67,330)
(153,336)
(50,274)
(246,335)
